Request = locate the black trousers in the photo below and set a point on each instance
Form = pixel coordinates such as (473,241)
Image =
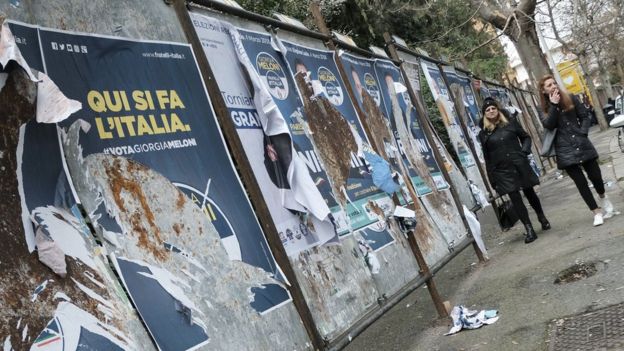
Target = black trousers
(595,176)
(520,208)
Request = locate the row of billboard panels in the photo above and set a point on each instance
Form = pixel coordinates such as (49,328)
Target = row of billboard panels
(146,102)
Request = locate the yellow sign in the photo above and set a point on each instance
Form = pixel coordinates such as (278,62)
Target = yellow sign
(572,78)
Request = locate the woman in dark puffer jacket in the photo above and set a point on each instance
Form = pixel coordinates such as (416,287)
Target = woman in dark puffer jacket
(574,150)
(505,148)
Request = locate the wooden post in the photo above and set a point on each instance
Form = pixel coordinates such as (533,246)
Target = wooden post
(424,270)
(422,264)
(429,134)
(246,173)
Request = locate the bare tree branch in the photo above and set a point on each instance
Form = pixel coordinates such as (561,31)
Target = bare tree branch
(563,43)
(492,13)
(502,31)
(456,27)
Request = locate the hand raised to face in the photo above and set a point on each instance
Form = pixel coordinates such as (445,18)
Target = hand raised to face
(555,96)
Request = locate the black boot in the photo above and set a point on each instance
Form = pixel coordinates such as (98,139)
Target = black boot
(545,223)
(530,235)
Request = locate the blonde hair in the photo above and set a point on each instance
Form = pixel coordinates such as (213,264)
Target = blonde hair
(501,120)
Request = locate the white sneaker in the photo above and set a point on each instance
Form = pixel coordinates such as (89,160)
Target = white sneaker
(607,206)
(598,219)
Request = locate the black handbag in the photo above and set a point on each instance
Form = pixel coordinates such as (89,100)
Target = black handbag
(507,217)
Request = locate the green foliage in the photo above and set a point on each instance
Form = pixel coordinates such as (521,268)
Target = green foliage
(297,9)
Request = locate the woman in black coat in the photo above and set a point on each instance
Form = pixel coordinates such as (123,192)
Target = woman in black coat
(572,146)
(505,148)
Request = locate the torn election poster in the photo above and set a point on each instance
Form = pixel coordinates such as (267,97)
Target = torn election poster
(464,318)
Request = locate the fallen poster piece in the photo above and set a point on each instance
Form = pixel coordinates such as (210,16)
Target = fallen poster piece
(464,318)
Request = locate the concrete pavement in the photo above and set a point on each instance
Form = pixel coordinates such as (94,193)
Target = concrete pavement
(519,279)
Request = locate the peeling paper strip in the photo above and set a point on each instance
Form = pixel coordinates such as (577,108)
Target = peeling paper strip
(52,105)
(10,52)
(7,344)
(29,232)
(92,294)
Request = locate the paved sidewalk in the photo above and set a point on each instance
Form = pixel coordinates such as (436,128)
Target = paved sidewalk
(519,279)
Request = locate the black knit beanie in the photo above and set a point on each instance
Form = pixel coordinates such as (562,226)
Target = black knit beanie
(487,102)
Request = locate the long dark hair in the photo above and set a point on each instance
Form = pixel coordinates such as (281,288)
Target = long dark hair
(566,100)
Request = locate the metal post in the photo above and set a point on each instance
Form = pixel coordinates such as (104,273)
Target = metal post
(422,264)
(429,134)
(246,173)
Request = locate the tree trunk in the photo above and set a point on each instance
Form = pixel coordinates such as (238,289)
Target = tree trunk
(606,81)
(527,44)
(602,121)
(620,71)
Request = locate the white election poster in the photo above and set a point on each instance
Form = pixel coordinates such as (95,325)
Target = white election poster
(269,154)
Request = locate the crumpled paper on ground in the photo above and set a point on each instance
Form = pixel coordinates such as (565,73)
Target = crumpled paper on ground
(464,318)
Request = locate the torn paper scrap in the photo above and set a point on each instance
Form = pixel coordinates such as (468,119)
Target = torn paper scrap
(404,212)
(10,52)
(382,174)
(464,318)
(479,195)
(50,254)
(475,228)
(52,105)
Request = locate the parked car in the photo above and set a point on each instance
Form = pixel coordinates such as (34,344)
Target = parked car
(617,120)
